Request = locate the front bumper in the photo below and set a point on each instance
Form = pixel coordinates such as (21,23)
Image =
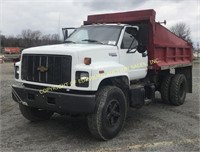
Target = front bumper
(55,101)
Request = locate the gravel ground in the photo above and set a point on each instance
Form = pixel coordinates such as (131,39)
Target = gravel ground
(155,127)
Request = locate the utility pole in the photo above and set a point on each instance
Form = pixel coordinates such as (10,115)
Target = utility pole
(198,51)
(59,27)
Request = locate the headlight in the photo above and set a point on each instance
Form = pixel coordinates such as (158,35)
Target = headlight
(84,76)
(82,79)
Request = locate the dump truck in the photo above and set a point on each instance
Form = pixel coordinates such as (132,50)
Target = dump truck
(112,63)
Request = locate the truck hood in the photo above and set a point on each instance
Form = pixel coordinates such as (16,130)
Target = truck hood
(97,52)
(68,48)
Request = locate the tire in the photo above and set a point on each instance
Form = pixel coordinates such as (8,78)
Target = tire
(34,114)
(110,114)
(178,89)
(165,89)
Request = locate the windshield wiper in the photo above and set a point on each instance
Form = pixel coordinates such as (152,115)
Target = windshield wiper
(69,42)
(90,40)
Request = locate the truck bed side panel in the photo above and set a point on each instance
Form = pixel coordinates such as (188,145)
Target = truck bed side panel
(169,50)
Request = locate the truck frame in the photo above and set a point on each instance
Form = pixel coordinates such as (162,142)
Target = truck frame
(130,57)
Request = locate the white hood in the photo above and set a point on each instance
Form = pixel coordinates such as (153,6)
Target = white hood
(97,52)
(67,48)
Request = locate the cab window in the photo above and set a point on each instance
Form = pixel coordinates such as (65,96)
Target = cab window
(129,36)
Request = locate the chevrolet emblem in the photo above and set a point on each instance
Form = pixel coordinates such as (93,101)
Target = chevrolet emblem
(42,69)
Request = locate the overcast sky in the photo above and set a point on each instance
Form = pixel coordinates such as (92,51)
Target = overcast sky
(44,15)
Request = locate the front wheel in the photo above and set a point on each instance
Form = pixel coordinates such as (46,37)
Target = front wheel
(110,114)
(34,114)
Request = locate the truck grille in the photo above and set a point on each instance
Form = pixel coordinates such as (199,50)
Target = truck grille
(51,69)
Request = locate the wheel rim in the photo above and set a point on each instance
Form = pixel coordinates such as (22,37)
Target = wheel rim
(112,113)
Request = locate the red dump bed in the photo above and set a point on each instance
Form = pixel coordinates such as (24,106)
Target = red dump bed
(164,47)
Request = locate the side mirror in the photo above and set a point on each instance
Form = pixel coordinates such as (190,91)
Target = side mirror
(143,38)
(141,48)
(67,32)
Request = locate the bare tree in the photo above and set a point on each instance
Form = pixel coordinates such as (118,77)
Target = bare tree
(55,38)
(46,39)
(30,38)
(182,30)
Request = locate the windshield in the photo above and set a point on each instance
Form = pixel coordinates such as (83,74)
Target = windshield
(104,34)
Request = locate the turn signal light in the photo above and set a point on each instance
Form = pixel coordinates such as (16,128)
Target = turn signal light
(87,61)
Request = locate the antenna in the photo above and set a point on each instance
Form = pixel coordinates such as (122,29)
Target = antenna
(198,51)
(59,27)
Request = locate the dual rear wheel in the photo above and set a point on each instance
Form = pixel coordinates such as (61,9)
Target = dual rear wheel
(173,89)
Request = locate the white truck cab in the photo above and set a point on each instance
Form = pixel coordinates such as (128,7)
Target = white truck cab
(107,46)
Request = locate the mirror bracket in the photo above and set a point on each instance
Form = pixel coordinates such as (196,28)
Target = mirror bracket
(66,32)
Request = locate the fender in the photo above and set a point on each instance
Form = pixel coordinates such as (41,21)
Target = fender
(101,70)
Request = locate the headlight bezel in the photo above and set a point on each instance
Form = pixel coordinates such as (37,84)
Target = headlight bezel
(82,79)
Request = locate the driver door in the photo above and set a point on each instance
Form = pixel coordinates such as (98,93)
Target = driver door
(130,57)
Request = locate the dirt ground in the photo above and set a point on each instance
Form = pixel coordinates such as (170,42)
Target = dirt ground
(155,127)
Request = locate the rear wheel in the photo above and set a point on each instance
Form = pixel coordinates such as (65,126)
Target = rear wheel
(178,89)
(34,114)
(110,114)
(165,88)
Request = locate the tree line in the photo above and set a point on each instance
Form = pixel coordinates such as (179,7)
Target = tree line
(29,38)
